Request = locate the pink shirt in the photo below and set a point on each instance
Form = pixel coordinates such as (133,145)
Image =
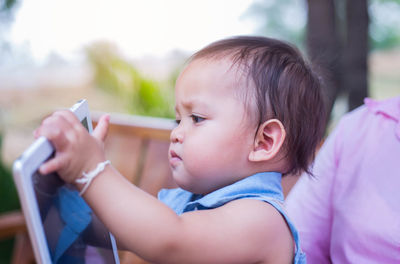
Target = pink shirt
(350,211)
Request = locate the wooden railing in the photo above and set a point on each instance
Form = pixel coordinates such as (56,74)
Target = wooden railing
(137,147)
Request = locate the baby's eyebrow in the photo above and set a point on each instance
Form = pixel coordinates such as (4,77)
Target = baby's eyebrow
(200,106)
(188,104)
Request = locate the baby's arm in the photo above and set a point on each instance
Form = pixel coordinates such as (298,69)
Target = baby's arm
(243,231)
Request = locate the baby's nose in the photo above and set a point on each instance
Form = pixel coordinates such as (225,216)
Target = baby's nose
(176,135)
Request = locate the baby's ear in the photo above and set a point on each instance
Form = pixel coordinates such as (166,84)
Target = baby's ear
(269,140)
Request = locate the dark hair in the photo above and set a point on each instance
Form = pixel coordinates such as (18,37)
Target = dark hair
(286,88)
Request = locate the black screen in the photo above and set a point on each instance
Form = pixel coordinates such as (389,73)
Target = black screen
(73,232)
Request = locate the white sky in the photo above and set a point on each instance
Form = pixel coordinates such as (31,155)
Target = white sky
(138,28)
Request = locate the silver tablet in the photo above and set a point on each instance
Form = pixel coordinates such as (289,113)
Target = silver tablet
(61,226)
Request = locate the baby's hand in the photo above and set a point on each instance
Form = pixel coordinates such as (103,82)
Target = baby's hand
(76,150)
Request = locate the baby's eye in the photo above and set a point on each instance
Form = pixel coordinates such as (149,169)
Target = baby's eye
(197,119)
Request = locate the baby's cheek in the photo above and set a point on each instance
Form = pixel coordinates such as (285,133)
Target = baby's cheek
(203,157)
(204,168)
(197,165)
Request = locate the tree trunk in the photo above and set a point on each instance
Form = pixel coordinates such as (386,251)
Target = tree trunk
(323,46)
(356,52)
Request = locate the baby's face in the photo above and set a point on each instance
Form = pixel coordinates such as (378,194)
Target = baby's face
(209,148)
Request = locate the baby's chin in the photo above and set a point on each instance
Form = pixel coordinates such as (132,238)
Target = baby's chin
(185,185)
(190,184)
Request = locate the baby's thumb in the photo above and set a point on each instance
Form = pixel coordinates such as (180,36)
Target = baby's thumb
(100,132)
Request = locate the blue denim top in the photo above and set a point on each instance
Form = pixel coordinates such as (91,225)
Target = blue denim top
(265,186)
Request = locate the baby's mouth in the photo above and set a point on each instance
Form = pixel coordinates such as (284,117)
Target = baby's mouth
(174,155)
(174,158)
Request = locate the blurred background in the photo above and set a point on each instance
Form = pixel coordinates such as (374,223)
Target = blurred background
(124,56)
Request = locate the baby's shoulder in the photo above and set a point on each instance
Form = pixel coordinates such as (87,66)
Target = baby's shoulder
(263,215)
(265,225)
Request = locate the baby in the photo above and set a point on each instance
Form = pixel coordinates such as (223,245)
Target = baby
(248,110)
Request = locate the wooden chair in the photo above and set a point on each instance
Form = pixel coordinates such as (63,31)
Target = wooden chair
(137,147)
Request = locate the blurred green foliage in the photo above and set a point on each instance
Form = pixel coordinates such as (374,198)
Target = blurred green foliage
(7,5)
(8,202)
(142,95)
(384,24)
(9,198)
(283,19)
(286,19)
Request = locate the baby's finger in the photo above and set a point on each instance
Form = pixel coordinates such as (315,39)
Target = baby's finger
(70,118)
(100,132)
(51,165)
(54,133)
